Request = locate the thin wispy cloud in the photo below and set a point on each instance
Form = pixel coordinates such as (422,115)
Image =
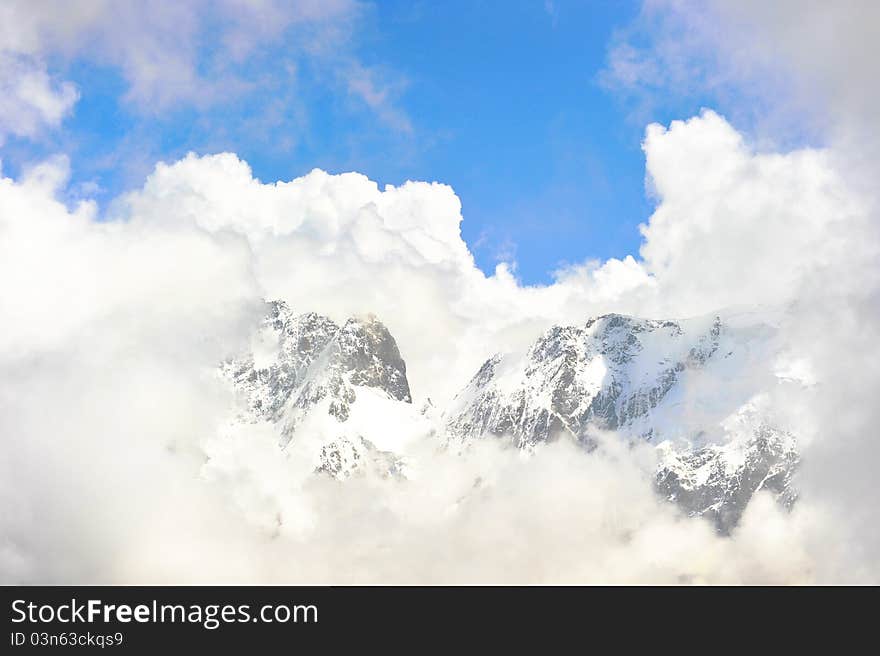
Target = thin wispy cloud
(173,55)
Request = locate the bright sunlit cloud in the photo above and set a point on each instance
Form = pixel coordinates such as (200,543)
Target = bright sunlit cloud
(126,458)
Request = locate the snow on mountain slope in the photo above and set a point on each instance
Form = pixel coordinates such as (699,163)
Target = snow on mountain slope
(638,376)
(338,401)
(336,395)
(687,386)
(718,480)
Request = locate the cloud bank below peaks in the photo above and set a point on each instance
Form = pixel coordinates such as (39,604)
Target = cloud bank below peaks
(115,327)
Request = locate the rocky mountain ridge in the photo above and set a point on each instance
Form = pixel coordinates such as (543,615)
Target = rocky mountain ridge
(307,376)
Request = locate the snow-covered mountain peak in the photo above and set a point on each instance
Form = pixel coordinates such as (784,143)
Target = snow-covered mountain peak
(609,373)
(299,359)
(329,388)
(338,400)
(368,354)
(656,380)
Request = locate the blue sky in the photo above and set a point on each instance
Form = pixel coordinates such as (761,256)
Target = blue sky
(505,106)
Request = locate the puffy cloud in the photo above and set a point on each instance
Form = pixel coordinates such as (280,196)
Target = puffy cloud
(114,329)
(794,71)
(339,245)
(110,406)
(112,333)
(732,227)
(64,272)
(735,226)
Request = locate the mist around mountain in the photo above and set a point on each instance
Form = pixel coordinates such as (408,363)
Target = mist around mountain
(337,397)
(704,411)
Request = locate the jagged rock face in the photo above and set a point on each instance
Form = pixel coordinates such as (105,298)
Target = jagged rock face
(344,456)
(718,481)
(608,373)
(339,393)
(631,375)
(307,363)
(366,353)
(294,343)
(361,354)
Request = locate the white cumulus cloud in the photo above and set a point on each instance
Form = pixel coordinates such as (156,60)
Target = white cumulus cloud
(110,402)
